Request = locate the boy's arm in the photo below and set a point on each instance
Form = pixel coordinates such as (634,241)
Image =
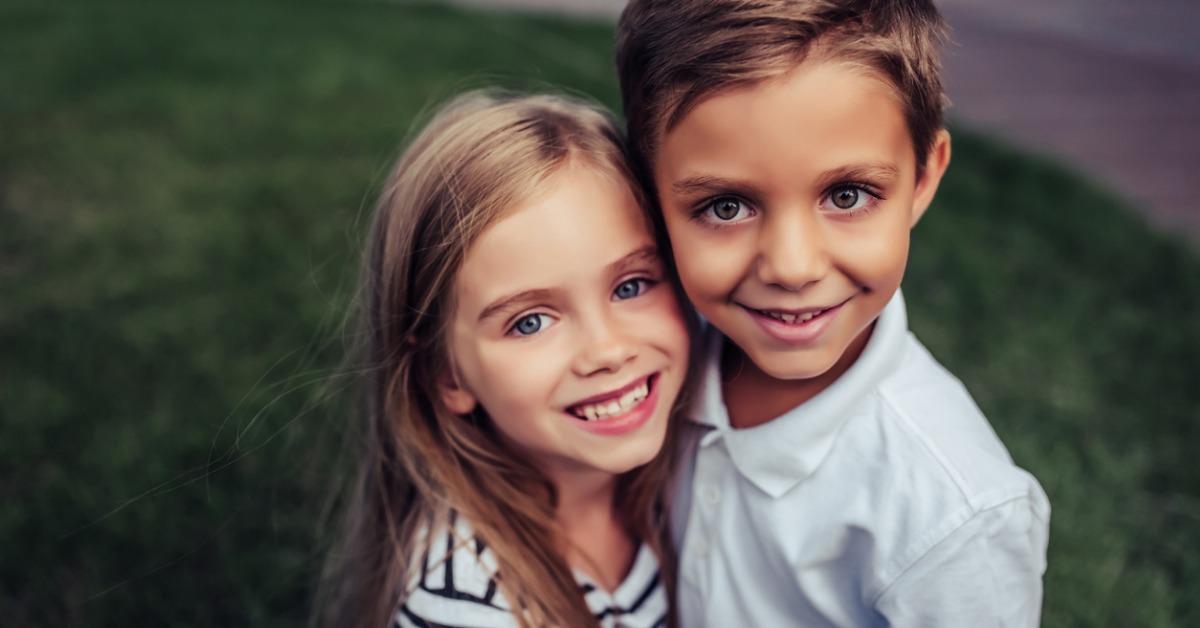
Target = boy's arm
(986,573)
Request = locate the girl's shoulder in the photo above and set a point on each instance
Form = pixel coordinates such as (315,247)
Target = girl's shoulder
(455,584)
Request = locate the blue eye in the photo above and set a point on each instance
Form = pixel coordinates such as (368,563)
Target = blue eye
(631,288)
(528,325)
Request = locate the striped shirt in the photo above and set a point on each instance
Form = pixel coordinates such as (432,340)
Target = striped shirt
(456,587)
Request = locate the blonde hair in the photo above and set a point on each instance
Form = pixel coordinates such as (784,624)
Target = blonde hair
(672,54)
(478,157)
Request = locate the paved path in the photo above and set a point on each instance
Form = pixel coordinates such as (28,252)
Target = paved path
(1110,86)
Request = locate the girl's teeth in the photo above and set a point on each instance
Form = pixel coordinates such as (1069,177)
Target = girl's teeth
(599,412)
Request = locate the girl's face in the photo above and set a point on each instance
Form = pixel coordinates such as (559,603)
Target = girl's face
(565,330)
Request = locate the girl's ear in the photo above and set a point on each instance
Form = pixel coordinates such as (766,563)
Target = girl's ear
(457,399)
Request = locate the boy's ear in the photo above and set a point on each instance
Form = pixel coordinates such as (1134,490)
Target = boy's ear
(935,166)
(457,399)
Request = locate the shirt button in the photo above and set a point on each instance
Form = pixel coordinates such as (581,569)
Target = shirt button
(711,495)
(700,547)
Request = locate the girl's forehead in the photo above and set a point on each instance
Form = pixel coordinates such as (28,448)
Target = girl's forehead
(580,222)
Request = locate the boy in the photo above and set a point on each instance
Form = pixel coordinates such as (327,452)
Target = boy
(846,478)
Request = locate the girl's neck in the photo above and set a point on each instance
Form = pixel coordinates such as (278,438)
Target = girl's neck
(598,542)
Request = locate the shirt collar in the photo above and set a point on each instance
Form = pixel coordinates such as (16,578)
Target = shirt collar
(783,452)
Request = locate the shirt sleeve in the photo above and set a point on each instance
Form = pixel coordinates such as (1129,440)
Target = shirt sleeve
(987,573)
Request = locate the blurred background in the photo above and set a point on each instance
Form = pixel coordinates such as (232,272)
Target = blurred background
(184,187)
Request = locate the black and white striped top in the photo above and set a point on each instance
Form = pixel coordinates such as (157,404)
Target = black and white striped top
(456,587)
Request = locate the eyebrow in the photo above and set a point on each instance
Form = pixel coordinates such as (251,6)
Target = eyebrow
(880,171)
(642,255)
(511,301)
(709,184)
(646,254)
(867,173)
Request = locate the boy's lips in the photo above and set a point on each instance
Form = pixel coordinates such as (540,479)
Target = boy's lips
(795,326)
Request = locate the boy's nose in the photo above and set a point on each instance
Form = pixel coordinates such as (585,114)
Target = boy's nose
(792,251)
(603,347)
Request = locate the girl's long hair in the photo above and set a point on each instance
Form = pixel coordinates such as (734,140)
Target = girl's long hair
(481,155)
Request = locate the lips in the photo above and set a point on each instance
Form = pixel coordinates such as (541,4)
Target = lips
(795,327)
(796,316)
(613,404)
(791,317)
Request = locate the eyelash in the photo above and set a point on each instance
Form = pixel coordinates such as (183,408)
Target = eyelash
(512,329)
(702,212)
(645,283)
(707,207)
(872,202)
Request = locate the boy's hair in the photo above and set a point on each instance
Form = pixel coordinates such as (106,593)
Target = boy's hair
(671,54)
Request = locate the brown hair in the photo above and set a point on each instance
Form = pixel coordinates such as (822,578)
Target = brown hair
(671,54)
(480,155)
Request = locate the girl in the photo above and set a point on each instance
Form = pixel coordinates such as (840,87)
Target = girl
(526,352)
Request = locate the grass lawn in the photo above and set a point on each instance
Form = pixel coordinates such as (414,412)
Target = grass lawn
(183,186)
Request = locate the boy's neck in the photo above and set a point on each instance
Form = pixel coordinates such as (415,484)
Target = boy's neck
(753,397)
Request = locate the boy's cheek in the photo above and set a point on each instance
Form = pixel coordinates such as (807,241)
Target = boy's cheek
(707,272)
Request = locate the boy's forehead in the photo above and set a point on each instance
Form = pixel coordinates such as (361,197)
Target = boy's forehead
(832,104)
(813,67)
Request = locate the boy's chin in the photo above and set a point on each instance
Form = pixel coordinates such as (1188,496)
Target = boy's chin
(793,365)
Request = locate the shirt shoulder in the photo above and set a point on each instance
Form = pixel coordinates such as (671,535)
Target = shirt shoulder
(958,472)
(934,414)
(455,584)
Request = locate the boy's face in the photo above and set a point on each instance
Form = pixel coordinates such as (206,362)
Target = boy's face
(789,205)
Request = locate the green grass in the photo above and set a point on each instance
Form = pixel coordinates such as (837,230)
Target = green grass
(182,191)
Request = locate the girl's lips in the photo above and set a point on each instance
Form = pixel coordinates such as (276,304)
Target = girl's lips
(795,333)
(628,421)
(613,394)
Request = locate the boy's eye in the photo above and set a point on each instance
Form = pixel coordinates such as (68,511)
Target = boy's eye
(850,198)
(845,197)
(724,209)
(631,288)
(529,324)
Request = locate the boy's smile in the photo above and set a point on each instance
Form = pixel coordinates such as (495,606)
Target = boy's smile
(789,205)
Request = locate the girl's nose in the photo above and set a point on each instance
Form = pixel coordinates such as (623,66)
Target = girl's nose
(604,348)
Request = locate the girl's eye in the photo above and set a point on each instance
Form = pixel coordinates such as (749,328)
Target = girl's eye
(631,288)
(528,325)
(851,198)
(724,209)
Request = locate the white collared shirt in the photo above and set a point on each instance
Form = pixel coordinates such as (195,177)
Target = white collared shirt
(886,499)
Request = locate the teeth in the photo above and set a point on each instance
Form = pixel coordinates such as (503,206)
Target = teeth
(792,318)
(601,411)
